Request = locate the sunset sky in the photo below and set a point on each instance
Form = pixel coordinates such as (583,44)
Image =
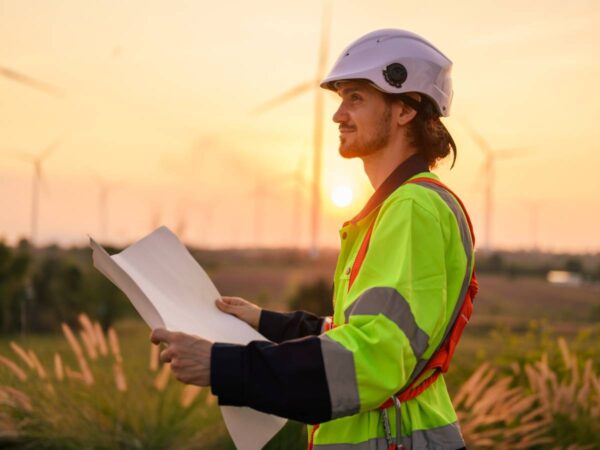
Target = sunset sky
(159,94)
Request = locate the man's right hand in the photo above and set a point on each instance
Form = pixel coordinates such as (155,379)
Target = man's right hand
(242,309)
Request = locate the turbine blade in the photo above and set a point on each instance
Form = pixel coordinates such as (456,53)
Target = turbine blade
(39,173)
(21,155)
(512,153)
(478,138)
(31,82)
(294,92)
(49,150)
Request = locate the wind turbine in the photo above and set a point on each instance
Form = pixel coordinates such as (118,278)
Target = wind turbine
(31,82)
(299,185)
(104,190)
(38,176)
(491,156)
(318,124)
(259,193)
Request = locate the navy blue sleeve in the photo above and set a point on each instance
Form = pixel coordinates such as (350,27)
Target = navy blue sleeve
(279,327)
(286,379)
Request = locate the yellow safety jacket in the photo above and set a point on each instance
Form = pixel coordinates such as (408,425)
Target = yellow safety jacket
(394,316)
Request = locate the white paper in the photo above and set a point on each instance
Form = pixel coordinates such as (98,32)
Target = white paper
(170,290)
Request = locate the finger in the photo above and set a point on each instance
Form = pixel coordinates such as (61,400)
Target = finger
(160,335)
(227,305)
(233,301)
(166,356)
(221,304)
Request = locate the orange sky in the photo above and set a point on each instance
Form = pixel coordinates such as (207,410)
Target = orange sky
(158,101)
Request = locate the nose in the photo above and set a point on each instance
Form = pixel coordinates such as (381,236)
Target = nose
(341,115)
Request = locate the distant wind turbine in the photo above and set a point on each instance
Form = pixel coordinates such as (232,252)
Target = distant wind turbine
(31,82)
(104,189)
(491,156)
(299,185)
(259,193)
(38,177)
(318,123)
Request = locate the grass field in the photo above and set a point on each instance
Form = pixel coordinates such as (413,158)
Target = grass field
(516,321)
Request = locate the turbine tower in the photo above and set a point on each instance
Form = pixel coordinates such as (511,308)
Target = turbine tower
(37,179)
(318,124)
(491,156)
(299,185)
(104,190)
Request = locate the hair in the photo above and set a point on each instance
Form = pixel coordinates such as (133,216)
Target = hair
(426,132)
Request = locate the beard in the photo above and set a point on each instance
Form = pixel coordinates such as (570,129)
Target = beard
(369,144)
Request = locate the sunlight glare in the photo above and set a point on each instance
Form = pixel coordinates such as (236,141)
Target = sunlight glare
(341,196)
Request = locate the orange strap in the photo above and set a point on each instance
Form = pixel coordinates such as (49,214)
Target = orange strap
(311,441)
(362,252)
(440,361)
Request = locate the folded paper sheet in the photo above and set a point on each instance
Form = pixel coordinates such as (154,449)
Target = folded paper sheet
(170,290)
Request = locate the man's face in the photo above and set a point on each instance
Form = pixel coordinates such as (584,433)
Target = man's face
(364,119)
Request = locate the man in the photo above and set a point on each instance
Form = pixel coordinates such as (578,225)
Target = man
(404,270)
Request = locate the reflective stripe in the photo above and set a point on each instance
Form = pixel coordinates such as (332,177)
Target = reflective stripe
(447,437)
(389,302)
(341,378)
(465,234)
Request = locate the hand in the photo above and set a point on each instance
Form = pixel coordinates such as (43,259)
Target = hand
(189,355)
(242,309)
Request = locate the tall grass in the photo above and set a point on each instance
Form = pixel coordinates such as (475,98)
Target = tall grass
(534,406)
(94,397)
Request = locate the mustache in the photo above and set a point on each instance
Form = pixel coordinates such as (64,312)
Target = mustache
(346,127)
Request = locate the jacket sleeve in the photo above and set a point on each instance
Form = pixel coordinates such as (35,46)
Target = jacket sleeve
(398,304)
(279,327)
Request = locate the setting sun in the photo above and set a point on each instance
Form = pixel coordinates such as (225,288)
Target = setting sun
(341,196)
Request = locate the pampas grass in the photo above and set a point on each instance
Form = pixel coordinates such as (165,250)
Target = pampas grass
(493,413)
(99,394)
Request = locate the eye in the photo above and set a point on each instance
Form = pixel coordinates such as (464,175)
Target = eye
(355,97)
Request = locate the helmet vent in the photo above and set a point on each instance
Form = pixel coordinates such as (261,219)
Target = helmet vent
(395,74)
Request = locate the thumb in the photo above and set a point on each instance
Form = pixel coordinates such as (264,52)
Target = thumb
(160,335)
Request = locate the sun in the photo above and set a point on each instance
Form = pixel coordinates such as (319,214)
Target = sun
(341,196)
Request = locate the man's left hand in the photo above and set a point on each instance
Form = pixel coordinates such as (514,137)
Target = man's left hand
(189,355)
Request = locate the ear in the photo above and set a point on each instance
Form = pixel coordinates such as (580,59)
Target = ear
(404,113)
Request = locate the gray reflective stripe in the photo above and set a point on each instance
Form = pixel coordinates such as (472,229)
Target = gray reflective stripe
(447,437)
(341,378)
(389,302)
(465,234)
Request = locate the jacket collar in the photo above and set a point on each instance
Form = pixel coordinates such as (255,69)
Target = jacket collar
(406,170)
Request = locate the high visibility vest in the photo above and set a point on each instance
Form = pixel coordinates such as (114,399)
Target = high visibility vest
(427,370)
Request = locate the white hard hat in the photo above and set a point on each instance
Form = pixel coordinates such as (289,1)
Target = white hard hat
(396,61)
